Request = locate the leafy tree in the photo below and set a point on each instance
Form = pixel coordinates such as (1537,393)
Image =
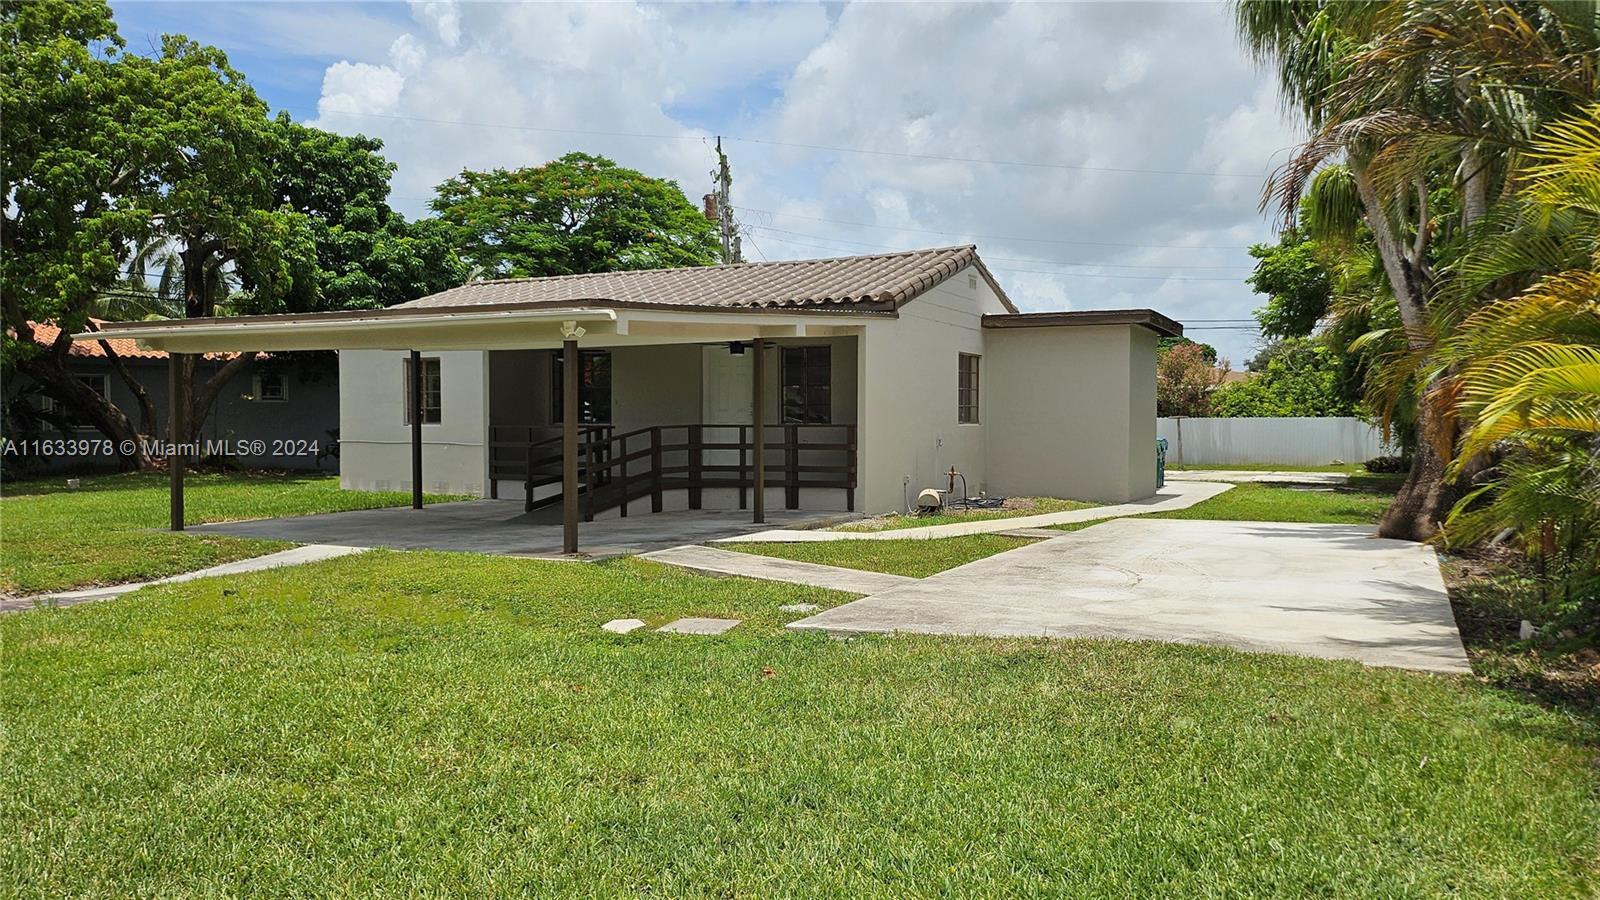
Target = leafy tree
(1423,101)
(367,255)
(1297,283)
(1208,352)
(580,213)
(1524,371)
(1185,380)
(74,151)
(1295,377)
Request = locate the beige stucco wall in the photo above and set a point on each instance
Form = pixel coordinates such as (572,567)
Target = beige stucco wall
(1071,411)
(375,441)
(909,369)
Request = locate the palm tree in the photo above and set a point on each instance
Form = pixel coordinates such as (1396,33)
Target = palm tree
(1523,373)
(1415,98)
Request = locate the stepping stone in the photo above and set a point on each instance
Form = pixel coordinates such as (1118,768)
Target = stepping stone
(622,626)
(698,626)
(799,607)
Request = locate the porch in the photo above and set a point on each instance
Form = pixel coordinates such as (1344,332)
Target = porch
(500,527)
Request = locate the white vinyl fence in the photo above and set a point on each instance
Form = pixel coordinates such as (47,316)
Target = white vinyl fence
(1296,441)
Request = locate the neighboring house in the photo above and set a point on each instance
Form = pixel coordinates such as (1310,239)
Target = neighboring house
(282,402)
(879,374)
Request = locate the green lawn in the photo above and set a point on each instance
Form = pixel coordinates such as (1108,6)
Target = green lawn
(54,538)
(917,558)
(430,723)
(1035,506)
(1273,503)
(1350,468)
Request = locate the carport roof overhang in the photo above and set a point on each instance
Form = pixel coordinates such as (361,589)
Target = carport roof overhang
(508,327)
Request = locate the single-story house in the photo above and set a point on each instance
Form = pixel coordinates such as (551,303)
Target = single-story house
(275,403)
(872,378)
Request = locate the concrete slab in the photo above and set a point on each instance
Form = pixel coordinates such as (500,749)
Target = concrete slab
(622,626)
(1175,495)
(1246,476)
(712,561)
(1320,590)
(291,557)
(698,626)
(501,527)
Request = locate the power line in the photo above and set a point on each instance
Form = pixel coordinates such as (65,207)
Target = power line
(997,162)
(825,148)
(1003,268)
(995,237)
(1021,259)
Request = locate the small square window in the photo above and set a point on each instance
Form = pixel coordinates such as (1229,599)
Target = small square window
(271,387)
(967,390)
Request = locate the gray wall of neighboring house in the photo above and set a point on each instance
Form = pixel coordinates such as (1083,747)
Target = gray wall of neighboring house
(308,412)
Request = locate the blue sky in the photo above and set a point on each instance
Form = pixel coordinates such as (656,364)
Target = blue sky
(1102,102)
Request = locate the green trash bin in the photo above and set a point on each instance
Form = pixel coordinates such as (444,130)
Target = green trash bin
(1161,463)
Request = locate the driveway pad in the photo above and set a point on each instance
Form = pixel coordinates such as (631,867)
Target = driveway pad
(1319,590)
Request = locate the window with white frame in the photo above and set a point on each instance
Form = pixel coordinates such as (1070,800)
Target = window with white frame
(99,382)
(271,387)
(967,390)
(432,393)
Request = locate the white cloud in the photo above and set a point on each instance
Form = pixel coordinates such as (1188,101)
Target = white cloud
(1143,86)
(407,54)
(443,15)
(359,88)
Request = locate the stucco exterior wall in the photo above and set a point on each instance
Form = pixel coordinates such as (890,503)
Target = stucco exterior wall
(309,412)
(909,369)
(375,441)
(1071,412)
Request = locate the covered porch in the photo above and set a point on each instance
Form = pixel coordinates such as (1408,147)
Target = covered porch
(592,419)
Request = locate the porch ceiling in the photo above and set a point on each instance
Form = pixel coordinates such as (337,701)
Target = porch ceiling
(477,328)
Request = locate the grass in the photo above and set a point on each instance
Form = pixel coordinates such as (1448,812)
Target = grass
(1274,503)
(55,538)
(1350,468)
(431,723)
(916,558)
(1024,506)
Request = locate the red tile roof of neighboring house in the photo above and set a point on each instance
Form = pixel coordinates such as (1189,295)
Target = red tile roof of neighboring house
(127,348)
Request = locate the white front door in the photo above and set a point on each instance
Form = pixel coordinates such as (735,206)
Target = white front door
(725,398)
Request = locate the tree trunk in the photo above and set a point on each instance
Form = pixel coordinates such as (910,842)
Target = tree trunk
(64,387)
(147,407)
(204,396)
(1426,496)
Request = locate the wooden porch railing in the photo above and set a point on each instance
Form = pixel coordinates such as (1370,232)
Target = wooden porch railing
(616,469)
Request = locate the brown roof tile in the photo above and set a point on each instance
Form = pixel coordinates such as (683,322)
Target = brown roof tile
(880,281)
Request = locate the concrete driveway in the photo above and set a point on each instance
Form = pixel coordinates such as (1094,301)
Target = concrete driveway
(1319,590)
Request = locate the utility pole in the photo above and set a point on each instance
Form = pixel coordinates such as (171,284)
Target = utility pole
(731,251)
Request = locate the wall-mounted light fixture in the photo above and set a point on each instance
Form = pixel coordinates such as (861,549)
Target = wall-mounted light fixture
(571,330)
(736,348)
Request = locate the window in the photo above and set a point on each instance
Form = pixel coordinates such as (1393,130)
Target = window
(967,390)
(594,387)
(432,394)
(271,387)
(99,383)
(807,375)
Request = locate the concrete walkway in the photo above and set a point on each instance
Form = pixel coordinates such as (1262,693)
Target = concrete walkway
(501,527)
(1246,476)
(292,557)
(1175,495)
(1318,590)
(711,561)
